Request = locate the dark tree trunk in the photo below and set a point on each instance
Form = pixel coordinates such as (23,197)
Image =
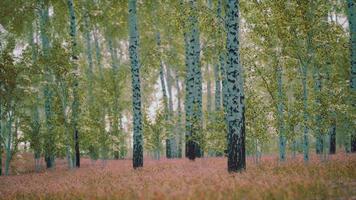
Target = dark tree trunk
(168,149)
(353,143)
(1,158)
(332,149)
(191,150)
(1,149)
(77,153)
(351,5)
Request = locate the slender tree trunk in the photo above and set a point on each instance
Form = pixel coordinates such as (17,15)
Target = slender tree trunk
(36,135)
(222,61)
(9,138)
(294,148)
(136,88)
(1,132)
(187,86)
(35,124)
(165,100)
(235,101)
(332,133)
(179,124)
(89,59)
(189,99)
(280,111)
(331,114)
(208,88)
(317,90)
(64,95)
(351,7)
(49,143)
(172,135)
(77,154)
(305,66)
(122,147)
(98,54)
(217,88)
(74,60)
(305,116)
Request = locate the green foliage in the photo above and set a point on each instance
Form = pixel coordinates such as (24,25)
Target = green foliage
(274,34)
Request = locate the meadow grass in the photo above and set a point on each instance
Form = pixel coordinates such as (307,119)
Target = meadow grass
(205,178)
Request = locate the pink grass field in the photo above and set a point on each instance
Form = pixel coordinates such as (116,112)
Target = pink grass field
(205,178)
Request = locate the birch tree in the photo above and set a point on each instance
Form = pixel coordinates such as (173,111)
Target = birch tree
(235,100)
(136,88)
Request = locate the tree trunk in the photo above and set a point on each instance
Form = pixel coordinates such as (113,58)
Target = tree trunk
(305,116)
(208,88)
(35,142)
(222,61)
(165,100)
(136,88)
(351,5)
(74,60)
(49,143)
(122,147)
(217,88)
(77,154)
(35,124)
(9,138)
(89,59)
(235,100)
(305,66)
(1,133)
(179,124)
(280,114)
(195,140)
(172,135)
(332,133)
(317,90)
(64,95)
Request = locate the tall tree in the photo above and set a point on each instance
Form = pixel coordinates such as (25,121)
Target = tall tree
(49,143)
(136,88)
(1,131)
(89,70)
(351,8)
(171,131)
(35,139)
(194,86)
(217,87)
(179,113)
(74,60)
(165,96)
(208,89)
(222,59)
(317,90)
(306,63)
(235,104)
(280,114)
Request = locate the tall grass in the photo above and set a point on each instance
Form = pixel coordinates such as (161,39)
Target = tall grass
(206,178)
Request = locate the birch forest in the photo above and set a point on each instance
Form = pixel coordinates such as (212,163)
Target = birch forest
(178,99)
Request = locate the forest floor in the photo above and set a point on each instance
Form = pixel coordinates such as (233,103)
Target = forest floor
(204,178)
